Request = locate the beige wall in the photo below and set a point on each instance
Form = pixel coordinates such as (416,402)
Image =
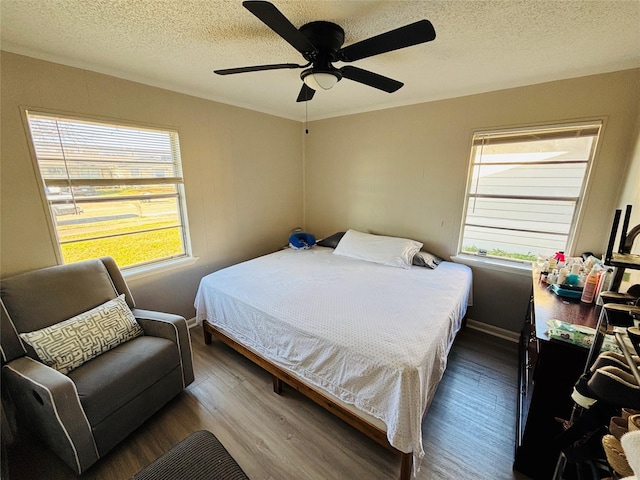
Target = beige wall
(403,171)
(630,195)
(400,171)
(242,171)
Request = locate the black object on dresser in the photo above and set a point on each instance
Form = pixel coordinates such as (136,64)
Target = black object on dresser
(549,369)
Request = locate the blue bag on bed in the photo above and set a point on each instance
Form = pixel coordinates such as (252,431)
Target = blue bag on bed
(301,241)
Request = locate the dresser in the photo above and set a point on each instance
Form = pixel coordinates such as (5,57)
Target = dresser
(549,368)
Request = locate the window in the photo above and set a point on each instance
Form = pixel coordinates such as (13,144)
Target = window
(525,189)
(112,189)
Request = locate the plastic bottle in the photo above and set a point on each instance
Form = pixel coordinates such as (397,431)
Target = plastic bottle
(603,284)
(587,265)
(582,278)
(562,275)
(590,283)
(544,272)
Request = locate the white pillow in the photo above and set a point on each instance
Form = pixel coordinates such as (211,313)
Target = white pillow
(393,251)
(67,345)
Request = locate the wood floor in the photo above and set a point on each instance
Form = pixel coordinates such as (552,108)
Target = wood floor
(469,430)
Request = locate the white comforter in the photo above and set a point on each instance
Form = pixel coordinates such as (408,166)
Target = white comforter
(375,336)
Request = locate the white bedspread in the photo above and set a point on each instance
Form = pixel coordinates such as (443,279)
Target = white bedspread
(375,336)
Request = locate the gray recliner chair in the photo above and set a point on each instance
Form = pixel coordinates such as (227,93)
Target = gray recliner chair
(83,414)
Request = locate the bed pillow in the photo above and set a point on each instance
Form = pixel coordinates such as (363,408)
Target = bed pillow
(393,251)
(332,241)
(426,259)
(68,344)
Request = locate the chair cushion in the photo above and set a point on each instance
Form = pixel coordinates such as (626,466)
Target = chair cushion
(68,344)
(114,378)
(46,296)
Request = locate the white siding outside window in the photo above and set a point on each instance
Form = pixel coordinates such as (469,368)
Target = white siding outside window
(524,190)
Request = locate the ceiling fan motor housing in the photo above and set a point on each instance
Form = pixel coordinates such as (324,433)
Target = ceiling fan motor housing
(327,37)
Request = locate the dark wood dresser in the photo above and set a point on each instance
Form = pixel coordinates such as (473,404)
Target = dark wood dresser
(549,368)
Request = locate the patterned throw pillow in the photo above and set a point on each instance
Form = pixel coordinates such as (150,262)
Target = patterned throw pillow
(67,345)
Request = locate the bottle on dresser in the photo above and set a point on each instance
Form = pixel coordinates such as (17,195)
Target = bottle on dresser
(590,285)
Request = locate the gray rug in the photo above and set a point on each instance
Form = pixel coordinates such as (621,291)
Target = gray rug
(200,456)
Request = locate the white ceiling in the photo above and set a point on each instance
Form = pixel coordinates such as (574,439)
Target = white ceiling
(480,46)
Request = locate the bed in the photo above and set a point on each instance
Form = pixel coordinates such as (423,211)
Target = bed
(365,340)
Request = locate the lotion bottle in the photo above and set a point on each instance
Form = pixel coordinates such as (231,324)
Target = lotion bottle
(562,275)
(589,289)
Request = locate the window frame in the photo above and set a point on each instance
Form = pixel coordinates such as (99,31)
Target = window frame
(134,270)
(528,131)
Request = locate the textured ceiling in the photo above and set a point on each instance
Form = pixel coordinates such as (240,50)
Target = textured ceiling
(480,46)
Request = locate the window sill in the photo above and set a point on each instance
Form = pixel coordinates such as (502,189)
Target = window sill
(136,273)
(523,269)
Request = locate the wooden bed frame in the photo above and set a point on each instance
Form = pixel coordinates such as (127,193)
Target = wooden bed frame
(280,376)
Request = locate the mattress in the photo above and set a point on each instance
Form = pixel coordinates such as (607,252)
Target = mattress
(373,336)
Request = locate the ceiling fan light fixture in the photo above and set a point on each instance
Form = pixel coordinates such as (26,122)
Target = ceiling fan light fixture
(320,80)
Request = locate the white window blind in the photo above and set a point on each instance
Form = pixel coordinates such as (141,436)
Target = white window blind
(524,190)
(112,189)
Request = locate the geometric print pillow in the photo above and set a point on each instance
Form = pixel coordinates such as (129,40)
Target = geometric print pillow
(68,344)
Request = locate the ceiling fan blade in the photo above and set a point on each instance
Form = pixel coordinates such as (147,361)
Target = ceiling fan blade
(258,68)
(276,21)
(412,34)
(374,80)
(306,93)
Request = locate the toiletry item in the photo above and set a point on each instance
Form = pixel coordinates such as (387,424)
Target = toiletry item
(590,283)
(587,265)
(562,275)
(572,279)
(603,284)
(544,272)
(581,279)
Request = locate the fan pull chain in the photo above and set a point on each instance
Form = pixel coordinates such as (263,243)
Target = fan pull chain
(306,115)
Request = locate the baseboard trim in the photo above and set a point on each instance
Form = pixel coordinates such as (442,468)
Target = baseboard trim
(191,322)
(493,330)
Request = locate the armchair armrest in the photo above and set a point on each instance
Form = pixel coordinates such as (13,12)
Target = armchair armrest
(174,328)
(46,398)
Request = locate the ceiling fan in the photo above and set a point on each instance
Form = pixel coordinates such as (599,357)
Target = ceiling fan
(320,43)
